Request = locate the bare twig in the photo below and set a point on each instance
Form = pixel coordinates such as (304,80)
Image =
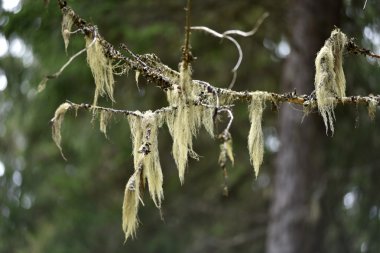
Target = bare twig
(230,115)
(42,84)
(186,56)
(226,35)
(116,111)
(237,45)
(251,32)
(355,49)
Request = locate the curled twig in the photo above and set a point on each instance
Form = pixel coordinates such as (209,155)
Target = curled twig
(251,32)
(237,45)
(227,34)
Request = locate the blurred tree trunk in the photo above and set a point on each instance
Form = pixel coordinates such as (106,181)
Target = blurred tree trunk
(295,211)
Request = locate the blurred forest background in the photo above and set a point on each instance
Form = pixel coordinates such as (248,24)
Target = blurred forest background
(314,193)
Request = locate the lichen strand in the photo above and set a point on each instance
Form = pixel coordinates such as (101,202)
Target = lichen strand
(57,123)
(103,121)
(144,131)
(330,82)
(183,124)
(101,68)
(372,106)
(255,137)
(131,205)
(67,23)
(229,150)
(207,120)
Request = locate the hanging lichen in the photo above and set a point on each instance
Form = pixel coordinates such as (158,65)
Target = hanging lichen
(226,150)
(183,123)
(206,113)
(144,132)
(57,123)
(103,121)
(207,119)
(67,23)
(137,75)
(101,68)
(372,106)
(330,82)
(255,137)
(131,205)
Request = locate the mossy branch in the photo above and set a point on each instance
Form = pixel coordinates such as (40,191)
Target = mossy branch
(193,103)
(162,76)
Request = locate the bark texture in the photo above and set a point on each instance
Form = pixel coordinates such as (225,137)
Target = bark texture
(295,210)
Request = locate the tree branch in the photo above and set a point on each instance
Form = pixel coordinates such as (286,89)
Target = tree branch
(151,68)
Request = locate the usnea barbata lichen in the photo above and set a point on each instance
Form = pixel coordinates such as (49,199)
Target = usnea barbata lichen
(255,136)
(103,121)
(330,82)
(67,23)
(56,121)
(372,106)
(144,130)
(101,68)
(183,123)
(131,205)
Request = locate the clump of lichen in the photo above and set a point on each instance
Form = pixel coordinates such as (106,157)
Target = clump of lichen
(67,23)
(372,106)
(103,121)
(144,131)
(330,82)
(101,68)
(183,123)
(131,205)
(255,137)
(56,121)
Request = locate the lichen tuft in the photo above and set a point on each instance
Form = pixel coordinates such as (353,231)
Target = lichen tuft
(255,137)
(67,23)
(372,106)
(144,131)
(103,121)
(183,124)
(57,120)
(330,82)
(101,68)
(131,202)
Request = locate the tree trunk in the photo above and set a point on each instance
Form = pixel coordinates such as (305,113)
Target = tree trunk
(297,185)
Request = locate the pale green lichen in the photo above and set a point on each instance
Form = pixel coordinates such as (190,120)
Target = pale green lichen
(183,123)
(372,106)
(255,136)
(57,120)
(131,202)
(103,121)
(67,23)
(101,68)
(144,132)
(330,82)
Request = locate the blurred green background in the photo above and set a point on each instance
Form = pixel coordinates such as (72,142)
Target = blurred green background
(49,205)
